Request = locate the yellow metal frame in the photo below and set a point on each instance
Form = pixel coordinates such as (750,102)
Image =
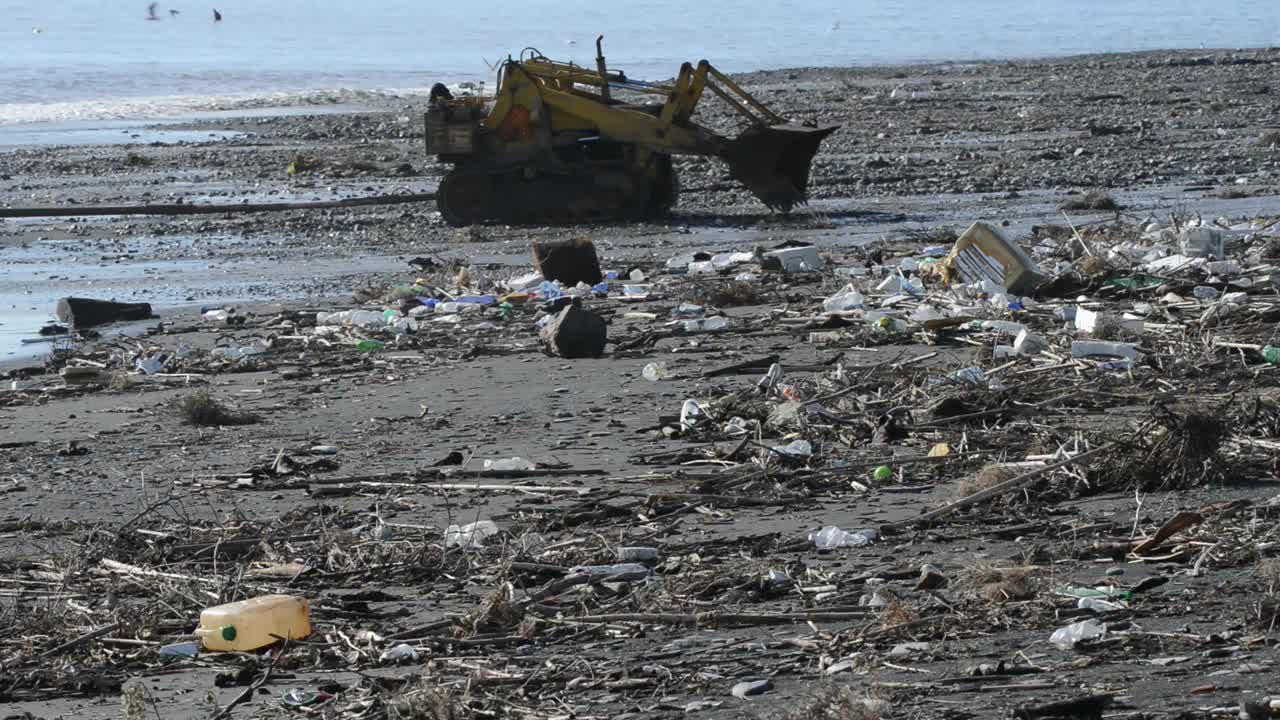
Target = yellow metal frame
(554,91)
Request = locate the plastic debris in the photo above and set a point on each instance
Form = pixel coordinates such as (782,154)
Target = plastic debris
(982,253)
(831,537)
(471,535)
(1068,637)
(399,655)
(795,449)
(711,324)
(1084,349)
(797,259)
(655,371)
(509,464)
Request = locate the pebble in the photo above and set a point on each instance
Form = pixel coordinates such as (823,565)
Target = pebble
(752,687)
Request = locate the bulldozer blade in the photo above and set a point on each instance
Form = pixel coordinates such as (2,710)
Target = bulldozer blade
(773,161)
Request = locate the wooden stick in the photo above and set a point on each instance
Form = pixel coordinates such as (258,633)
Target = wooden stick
(1174,525)
(418,478)
(249,691)
(722,618)
(104,630)
(325,489)
(1013,484)
(123,569)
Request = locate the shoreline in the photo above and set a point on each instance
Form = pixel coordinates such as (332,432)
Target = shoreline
(269,102)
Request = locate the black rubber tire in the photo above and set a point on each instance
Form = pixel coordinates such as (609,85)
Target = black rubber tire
(665,193)
(465,198)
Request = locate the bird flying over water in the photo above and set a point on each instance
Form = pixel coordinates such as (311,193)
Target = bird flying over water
(174,13)
(151,11)
(217,16)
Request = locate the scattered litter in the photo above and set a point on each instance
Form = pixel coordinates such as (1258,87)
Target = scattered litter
(255,623)
(831,537)
(401,654)
(655,371)
(509,464)
(982,253)
(1068,637)
(796,259)
(1085,348)
(471,535)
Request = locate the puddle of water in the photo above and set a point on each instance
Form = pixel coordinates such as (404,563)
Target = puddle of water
(125,132)
(103,133)
(37,275)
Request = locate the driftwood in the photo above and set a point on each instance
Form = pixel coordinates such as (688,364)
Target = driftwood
(1007,486)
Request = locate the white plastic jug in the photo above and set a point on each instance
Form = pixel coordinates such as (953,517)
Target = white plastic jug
(255,623)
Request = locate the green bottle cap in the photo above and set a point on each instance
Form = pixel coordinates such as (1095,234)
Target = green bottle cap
(229,633)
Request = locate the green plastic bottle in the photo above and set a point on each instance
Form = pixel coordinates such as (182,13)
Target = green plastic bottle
(370,346)
(1271,354)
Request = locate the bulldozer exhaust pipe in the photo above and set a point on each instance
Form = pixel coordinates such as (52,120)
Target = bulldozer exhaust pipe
(773,161)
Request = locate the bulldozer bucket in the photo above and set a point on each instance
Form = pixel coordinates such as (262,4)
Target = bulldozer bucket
(773,161)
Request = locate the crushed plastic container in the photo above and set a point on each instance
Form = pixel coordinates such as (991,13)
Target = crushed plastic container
(847,299)
(180,651)
(524,282)
(1098,605)
(982,253)
(691,413)
(508,464)
(234,353)
(1203,242)
(688,310)
(621,572)
(1067,637)
(636,292)
(1085,348)
(1106,593)
(637,554)
(1029,343)
(711,324)
(831,537)
(797,259)
(795,449)
(655,371)
(255,623)
(1007,327)
(471,535)
(898,285)
(397,654)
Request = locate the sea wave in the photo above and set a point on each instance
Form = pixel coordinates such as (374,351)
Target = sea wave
(177,107)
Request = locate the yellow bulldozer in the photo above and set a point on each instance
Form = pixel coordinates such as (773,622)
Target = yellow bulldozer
(554,145)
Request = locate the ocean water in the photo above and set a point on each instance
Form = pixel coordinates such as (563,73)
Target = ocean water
(66,60)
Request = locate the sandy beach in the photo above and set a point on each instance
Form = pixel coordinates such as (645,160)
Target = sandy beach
(103,474)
